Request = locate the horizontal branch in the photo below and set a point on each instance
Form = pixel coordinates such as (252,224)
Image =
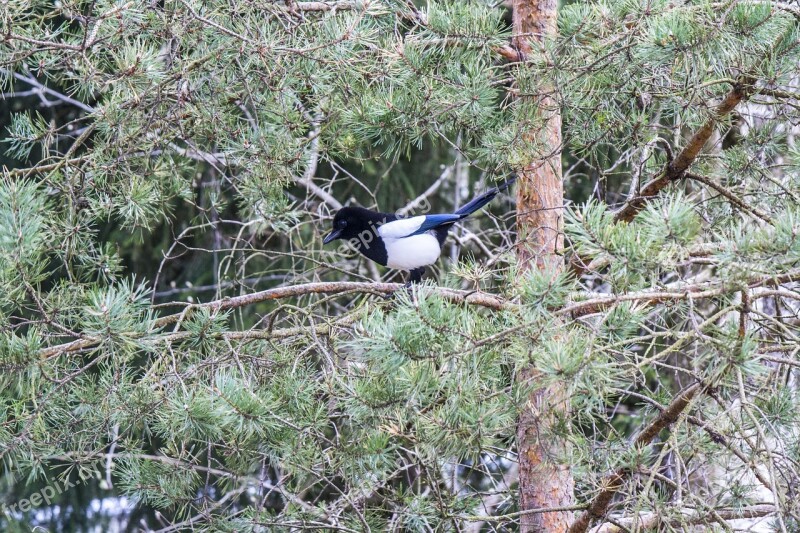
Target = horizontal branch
(41,169)
(334,287)
(696,291)
(511,516)
(478,298)
(612,483)
(651,521)
(264,334)
(700,250)
(594,304)
(321,6)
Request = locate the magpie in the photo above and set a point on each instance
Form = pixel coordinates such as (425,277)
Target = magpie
(403,243)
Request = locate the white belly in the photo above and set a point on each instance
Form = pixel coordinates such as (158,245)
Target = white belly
(412,252)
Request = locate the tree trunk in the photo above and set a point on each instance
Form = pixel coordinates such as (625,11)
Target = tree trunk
(544,481)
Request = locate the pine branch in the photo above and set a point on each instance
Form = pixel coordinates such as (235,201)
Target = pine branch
(677,168)
(650,521)
(612,483)
(218,160)
(718,437)
(184,465)
(595,304)
(50,45)
(779,94)
(217,26)
(41,169)
(481,299)
(335,287)
(695,291)
(511,516)
(321,6)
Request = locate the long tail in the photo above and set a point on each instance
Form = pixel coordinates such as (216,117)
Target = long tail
(480,201)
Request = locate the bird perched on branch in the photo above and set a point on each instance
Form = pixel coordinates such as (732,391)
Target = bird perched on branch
(403,243)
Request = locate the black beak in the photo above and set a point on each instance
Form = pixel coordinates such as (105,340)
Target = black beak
(332,236)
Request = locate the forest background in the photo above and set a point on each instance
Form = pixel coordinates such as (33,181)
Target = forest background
(613,344)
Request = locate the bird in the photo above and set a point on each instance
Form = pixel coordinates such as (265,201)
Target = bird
(403,243)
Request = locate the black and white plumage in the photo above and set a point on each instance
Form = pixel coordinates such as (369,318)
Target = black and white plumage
(403,243)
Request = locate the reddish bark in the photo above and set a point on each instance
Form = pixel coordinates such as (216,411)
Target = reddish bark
(544,481)
(540,192)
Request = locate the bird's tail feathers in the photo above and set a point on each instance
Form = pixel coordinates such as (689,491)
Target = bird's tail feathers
(480,201)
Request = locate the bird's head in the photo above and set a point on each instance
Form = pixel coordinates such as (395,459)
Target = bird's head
(348,223)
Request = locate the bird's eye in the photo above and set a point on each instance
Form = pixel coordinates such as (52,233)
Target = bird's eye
(341,224)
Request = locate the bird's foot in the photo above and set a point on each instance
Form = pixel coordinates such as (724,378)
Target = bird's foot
(415,276)
(407,288)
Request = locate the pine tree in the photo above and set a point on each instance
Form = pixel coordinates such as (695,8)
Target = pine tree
(172,330)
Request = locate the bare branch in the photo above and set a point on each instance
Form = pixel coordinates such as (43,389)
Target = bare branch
(649,521)
(33,82)
(307,179)
(321,6)
(413,204)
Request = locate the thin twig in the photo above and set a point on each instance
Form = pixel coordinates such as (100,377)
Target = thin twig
(30,80)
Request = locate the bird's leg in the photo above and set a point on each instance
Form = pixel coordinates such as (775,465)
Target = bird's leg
(415,276)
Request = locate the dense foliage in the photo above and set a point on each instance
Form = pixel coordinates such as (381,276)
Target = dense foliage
(167,162)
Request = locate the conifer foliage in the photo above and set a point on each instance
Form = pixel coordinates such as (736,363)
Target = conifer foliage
(172,331)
